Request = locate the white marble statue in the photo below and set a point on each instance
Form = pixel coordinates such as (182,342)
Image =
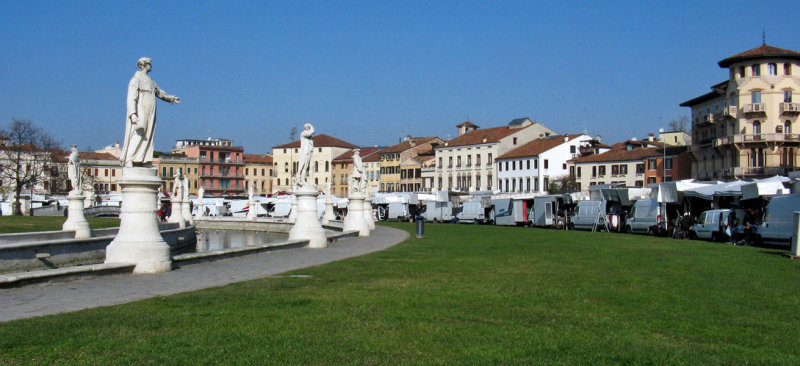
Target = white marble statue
(200,193)
(327,190)
(306,151)
(177,187)
(185,182)
(140,121)
(356,176)
(74,171)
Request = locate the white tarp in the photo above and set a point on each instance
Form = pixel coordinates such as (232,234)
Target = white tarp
(765,187)
(762,187)
(671,192)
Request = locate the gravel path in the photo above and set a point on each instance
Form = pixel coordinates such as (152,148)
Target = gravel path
(78,294)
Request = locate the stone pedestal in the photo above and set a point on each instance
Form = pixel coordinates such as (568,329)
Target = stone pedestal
(252,211)
(186,212)
(355,215)
(293,213)
(307,226)
(138,240)
(368,213)
(328,215)
(25,206)
(201,210)
(176,217)
(75,220)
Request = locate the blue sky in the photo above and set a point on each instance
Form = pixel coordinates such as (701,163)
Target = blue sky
(371,72)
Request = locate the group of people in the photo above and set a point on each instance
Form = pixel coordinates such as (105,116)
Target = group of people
(743,233)
(684,227)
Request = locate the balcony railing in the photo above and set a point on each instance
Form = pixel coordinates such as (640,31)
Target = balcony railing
(220,175)
(754,108)
(757,138)
(708,118)
(758,171)
(790,108)
(223,161)
(730,111)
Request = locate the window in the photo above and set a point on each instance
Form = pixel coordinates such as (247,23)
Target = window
(450,162)
(514,165)
(572,171)
(787,126)
(246,171)
(652,163)
(515,140)
(545,164)
(286,167)
(615,169)
(668,163)
(489,181)
(536,164)
(489,159)
(594,171)
(500,167)
(316,166)
(572,149)
(528,184)
(757,127)
(772,69)
(734,100)
(787,69)
(564,166)
(469,160)
(787,96)
(458,162)
(757,157)
(579,172)
(327,166)
(756,70)
(171,172)
(163,171)
(755,97)
(113,172)
(623,169)
(528,162)
(506,166)
(478,160)
(601,170)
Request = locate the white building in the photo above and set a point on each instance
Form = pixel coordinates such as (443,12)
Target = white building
(529,167)
(466,163)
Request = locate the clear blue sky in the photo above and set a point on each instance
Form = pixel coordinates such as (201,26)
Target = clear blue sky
(370,72)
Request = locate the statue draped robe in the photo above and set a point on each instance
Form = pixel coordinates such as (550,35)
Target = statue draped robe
(142,93)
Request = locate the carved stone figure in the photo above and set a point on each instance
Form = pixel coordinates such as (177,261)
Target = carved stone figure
(354,181)
(74,171)
(200,193)
(185,196)
(177,187)
(140,120)
(306,150)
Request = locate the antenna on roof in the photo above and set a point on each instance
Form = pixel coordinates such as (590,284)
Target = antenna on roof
(763,37)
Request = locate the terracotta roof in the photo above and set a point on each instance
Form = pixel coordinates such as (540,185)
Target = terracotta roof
(63,156)
(405,145)
(537,146)
(373,157)
(491,135)
(257,158)
(348,155)
(321,140)
(467,124)
(760,52)
(424,158)
(619,155)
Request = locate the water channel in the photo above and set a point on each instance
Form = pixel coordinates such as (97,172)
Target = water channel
(210,239)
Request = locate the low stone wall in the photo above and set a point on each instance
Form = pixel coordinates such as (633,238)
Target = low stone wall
(268,225)
(58,235)
(47,250)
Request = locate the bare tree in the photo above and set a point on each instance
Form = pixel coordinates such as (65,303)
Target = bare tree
(680,124)
(563,184)
(26,158)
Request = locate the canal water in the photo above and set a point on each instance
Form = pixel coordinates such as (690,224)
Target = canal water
(209,240)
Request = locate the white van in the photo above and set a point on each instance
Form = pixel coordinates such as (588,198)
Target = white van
(711,224)
(472,212)
(645,218)
(586,213)
(778,220)
(437,211)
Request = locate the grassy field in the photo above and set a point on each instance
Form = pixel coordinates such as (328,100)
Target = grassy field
(465,294)
(18,224)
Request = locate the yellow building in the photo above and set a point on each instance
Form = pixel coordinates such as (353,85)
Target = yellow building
(286,157)
(746,127)
(169,166)
(258,173)
(343,167)
(392,158)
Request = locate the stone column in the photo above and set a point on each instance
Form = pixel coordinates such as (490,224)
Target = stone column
(186,212)
(293,213)
(795,252)
(307,226)
(75,219)
(176,217)
(139,240)
(368,213)
(355,215)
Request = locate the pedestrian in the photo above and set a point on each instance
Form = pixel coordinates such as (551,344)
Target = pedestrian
(731,226)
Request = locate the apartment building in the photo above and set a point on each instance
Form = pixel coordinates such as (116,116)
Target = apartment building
(221,169)
(285,159)
(466,163)
(746,127)
(529,167)
(673,163)
(372,169)
(170,165)
(624,162)
(258,173)
(343,167)
(399,171)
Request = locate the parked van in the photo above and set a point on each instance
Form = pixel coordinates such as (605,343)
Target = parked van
(472,212)
(503,211)
(711,224)
(586,213)
(645,218)
(437,211)
(778,220)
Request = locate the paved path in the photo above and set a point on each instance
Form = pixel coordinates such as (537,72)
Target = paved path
(61,297)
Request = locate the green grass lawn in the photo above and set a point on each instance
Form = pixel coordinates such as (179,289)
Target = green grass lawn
(464,294)
(19,224)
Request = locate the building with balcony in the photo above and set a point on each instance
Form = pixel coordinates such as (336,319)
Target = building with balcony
(672,163)
(529,167)
(399,172)
(622,163)
(181,145)
(220,169)
(285,159)
(170,165)
(342,167)
(258,173)
(746,127)
(466,163)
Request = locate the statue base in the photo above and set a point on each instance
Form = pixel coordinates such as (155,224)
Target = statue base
(139,240)
(75,219)
(368,213)
(176,217)
(186,212)
(354,221)
(293,213)
(328,216)
(307,226)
